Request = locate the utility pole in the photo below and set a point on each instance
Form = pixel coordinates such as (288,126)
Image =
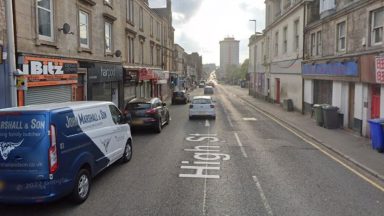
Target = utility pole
(11,52)
(253,20)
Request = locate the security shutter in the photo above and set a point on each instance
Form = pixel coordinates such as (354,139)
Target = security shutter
(48,94)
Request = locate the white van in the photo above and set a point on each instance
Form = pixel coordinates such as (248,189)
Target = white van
(52,150)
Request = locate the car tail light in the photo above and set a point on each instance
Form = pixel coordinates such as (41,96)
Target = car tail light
(191,106)
(151,111)
(52,153)
(212,106)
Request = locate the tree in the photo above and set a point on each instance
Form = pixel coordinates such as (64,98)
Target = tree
(235,73)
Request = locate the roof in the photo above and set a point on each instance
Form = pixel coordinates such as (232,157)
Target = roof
(55,106)
(142,100)
(202,97)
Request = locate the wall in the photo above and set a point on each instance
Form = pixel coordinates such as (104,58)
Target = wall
(290,88)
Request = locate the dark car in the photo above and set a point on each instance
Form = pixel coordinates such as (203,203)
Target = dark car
(208,90)
(147,113)
(180,97)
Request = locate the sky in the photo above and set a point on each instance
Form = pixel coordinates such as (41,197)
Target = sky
(201,24)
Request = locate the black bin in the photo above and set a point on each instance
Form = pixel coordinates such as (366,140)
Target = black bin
(331,117)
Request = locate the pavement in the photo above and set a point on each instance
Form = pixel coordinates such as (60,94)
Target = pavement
(353,147)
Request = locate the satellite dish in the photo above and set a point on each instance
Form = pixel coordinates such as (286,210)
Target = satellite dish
(66,28)
(118,53)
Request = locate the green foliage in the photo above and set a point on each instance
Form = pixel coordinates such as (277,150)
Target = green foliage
(234,73)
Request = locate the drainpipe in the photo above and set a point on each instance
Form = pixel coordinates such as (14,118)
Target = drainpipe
(11,51)
(302,58)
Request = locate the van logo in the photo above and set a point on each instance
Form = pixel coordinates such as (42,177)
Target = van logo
(7,147)
(106,143)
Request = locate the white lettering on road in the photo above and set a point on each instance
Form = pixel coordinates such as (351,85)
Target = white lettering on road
(208,157)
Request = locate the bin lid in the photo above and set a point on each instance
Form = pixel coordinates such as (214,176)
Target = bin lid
(329,107)
(378,120)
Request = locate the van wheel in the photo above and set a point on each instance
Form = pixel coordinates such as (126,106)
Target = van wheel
(127,152)
(158,126)
(82,187)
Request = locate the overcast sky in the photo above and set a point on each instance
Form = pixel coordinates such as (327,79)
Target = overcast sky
(201,24)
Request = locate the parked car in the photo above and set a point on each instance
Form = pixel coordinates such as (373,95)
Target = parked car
(180,97)
(148,113)
(201,84)
(202,106)
(58,149)
(208,90)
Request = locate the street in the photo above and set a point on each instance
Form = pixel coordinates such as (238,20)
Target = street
(242,163)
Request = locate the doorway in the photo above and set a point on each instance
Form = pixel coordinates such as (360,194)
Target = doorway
(277,93)
(375,106)
(351,105)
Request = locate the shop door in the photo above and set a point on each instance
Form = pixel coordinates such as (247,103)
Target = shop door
(322,92)
(80,87)
(351,105)
(277,94)
(48,94)
(375,106)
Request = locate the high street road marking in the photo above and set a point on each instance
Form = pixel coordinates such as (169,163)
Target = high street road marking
(207,159)
(241,145)
(262,195)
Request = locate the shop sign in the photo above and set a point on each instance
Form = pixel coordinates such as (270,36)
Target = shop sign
(146,74)
(21,83)
(130,76)
(47,66)
(379,69)
(348,68)
(105,72)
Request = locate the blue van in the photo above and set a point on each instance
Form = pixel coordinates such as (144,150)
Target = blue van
(50,151)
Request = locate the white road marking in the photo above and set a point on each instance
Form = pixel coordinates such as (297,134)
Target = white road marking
(185,162)
(197,134)
(207,123)
(206,162)
(249,119)
(262,195)
(241,145)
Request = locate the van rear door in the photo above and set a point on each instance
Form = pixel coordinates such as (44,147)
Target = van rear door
(24,142)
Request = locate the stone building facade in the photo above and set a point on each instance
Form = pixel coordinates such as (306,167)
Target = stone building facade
(343,44)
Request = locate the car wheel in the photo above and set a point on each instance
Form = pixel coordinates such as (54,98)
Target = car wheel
(158,126)
(190,117)
(82,186)
(168,119)
(127,152)
(214,117)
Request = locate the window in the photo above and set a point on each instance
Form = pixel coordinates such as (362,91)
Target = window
(84,29)
(158,55)
(377,25)
(45,19)
(108,37)
(296,34)
(141,52)
(116,114)
(319,43)
(130,11)
(285,49)
(141,21)
(276,43)
(341,36)
(158,31)
(313,44)
(131,53)
(151,51)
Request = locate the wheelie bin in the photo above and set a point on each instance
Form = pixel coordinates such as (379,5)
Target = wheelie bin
(377,135)
(331,117)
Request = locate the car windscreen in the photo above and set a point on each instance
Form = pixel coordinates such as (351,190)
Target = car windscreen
(201,101)
(138,106)
(178,94)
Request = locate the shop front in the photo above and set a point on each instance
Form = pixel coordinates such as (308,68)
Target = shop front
(105,82)
(147,83)
(42,79)
(130,80)
(162,88)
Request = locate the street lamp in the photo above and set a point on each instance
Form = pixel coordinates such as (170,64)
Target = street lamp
(253,20)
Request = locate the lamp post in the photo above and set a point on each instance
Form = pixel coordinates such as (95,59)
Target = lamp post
(253,20)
